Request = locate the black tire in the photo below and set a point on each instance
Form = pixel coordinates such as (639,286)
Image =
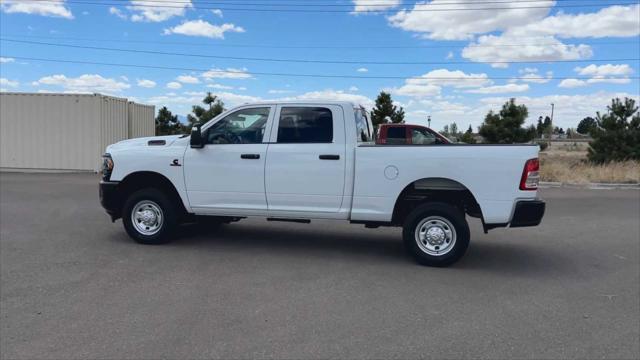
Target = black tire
(168,214)
(437,212)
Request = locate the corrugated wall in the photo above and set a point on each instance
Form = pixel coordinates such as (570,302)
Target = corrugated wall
(63,131)
(48,131)
(114,123)
(141,120)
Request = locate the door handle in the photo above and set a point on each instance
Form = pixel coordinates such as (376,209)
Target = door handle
(250,156)
(329,157)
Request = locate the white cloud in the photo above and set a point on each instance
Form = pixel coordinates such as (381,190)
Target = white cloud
(531,75)
(447,107)
(84,83)
(492,49)
(221,87)
(417,90)
(368,5)
(228,73)
(612,21)
(362,70)
(605,70)
(276,91)
(6,60)
(55,8)
(145,83)
(333,95)
(449,55)
(8,83)
(609,80)
(203,28)
(501,89)
(187,79)
(431,83)
(145,11)
(455,78)
(462,25)
(353,88)
(217,12)
(174,85)
(117,12)
(607,73)
(572,83)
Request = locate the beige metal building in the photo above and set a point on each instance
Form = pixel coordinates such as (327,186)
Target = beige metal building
(66,131)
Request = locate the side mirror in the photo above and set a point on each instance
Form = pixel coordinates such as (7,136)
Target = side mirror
(196,138)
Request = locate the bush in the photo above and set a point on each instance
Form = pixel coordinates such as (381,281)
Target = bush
(617,134)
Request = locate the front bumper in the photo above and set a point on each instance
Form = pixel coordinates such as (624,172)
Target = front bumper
(528,213)
(111,198)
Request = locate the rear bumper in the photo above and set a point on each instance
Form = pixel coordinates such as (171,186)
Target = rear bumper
(528,213)
(111,198)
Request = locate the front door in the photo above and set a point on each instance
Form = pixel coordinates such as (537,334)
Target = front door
(226,176)
(305,166)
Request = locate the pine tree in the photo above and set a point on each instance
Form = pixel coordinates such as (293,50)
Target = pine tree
(167,123)
(617,134)
(384,109)
(202,115)
(586,125)
(505,127)
(540,127)
(467,137)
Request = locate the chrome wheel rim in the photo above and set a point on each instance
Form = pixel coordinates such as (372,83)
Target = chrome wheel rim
(147,217)
(435,235)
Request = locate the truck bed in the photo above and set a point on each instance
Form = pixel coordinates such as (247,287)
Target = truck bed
(492,173)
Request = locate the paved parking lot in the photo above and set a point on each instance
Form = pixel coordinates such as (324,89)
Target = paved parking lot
(74,286)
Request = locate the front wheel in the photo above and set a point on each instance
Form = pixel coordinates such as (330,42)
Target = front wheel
(149,217)
(436,234)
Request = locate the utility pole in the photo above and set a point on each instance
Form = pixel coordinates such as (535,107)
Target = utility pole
(551,126)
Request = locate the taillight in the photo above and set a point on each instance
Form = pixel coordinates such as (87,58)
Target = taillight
(530,175)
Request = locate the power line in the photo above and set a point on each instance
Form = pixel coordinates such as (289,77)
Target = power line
(252,73)
(309,61)
(188,3)
(158,5)
(350,2)
(306,46)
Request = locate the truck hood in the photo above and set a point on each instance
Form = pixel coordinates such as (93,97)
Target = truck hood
(151,142)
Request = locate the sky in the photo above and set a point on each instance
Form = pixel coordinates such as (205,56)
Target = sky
(452,60)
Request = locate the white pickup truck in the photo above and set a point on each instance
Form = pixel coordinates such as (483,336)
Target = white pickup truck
(300,161)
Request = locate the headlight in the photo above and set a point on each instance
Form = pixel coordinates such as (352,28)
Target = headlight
(107,166)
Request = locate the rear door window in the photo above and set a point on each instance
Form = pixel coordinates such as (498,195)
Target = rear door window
(305,125)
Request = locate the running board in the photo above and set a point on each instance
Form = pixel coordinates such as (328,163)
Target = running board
(303,221)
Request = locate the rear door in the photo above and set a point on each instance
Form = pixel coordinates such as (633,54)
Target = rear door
(305,167)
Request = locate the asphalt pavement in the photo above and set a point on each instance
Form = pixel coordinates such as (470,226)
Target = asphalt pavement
(74,286)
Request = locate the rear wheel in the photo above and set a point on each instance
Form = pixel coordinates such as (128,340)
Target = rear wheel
(436,234)
(149,217)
